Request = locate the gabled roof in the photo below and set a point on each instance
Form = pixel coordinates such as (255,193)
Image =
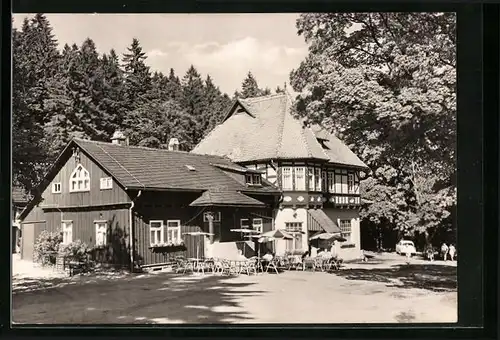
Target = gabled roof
(225,198)
(145,168)
(270,131)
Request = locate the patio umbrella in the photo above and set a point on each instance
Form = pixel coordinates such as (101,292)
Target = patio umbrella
(198,233)
(245,231)
(276,234)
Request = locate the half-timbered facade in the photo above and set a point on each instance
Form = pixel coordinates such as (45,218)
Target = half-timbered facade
(137,205)
(317,174)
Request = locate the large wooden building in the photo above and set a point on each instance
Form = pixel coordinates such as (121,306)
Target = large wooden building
(317,174)
(134,205)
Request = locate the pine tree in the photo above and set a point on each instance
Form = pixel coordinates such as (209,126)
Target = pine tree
(193,102)
(35,63)
(112,101)
(250,88)
(137,75)
(174,88)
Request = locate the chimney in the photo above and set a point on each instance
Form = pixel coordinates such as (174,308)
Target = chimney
(119,138)
(173,144)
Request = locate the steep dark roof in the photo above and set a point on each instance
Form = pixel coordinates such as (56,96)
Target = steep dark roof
(146,168)
(268,130)
(225,198)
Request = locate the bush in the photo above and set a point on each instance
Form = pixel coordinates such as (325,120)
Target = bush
(47,244)
(77,249)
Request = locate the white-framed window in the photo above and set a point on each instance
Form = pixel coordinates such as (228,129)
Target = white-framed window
(257,224)
(331,182)
(67,231)
(174,231)
(56,188)
(338,183)
(244,223)
(350,183)
(317,177)
(106,183)
(253,179)
(345,229)
(215,214)
(296,243)
(300,178)
(79,180)
(101,233)
(156,233)
(310,176)
(286,178)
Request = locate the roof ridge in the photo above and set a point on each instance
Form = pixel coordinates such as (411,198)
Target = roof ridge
(261,98)
(148,148)
(282,129)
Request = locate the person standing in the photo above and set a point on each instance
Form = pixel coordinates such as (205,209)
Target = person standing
(452,251)
(444,251)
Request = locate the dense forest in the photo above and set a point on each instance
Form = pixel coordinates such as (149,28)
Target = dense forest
(387,89)
(73,91)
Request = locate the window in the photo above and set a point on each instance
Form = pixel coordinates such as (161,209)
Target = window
(244,223)
(79,180)
(257,179)
(253,179)
(331,182)
(174,231)
(311,178)
(106,183)
(350,183)
(67,231)
(338,183)
(296,243)
(345,229)
(101,232)
(286,178)
(323,181)
(317,177)
(156,232)
(300,179)
(56,188)
(215,214)
(257,224)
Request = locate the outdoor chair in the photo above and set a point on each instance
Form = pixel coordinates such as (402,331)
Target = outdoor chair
(273,264)
(249,266)
(205,265)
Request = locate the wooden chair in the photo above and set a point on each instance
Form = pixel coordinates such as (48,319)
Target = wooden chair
(273,264)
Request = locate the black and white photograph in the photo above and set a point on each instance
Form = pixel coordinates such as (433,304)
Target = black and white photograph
(253,168)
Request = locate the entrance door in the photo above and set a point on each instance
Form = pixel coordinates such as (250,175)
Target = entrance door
(27,241)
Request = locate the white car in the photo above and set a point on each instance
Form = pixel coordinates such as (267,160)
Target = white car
(406,247)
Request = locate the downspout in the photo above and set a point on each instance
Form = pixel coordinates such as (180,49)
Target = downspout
(131,238)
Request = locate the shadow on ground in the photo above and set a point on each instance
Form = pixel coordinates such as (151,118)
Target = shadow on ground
(435,278)
(161,298)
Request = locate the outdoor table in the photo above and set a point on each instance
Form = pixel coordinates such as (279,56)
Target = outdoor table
(308,262)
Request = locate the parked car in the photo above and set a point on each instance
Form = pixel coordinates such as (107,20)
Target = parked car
(405,247)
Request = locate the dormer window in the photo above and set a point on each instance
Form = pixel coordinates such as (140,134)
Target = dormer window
(79,180)
(253,179)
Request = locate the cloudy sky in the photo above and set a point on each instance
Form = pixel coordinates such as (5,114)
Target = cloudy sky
(226,46)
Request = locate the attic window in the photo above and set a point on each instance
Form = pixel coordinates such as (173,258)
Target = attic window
(190,167)
(79,180)
(253,179)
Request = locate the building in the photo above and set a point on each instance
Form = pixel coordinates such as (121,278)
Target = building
(317,174)
(19,202)
(136,204)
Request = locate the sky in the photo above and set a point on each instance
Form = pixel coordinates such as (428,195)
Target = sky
(226,46)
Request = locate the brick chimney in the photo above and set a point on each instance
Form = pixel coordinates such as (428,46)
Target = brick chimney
(119,138)
(173,144)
